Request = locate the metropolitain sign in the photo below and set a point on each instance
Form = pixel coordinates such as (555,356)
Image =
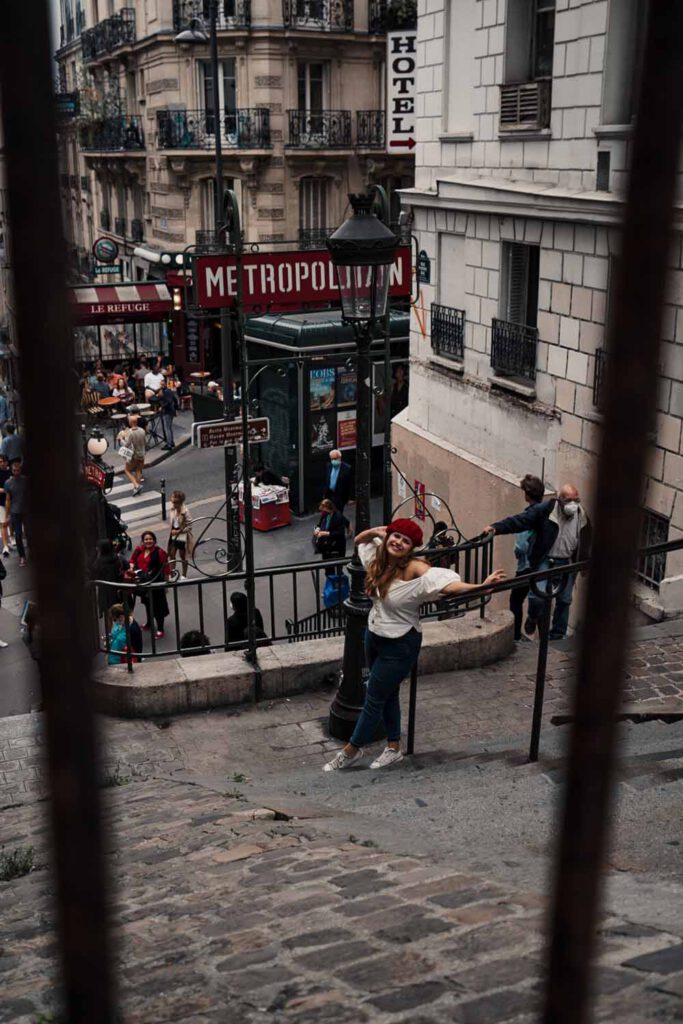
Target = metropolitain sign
(274,282)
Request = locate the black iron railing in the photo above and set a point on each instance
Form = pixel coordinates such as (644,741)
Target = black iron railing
(105,219)
(323,129)
(231,14)
(114,134)
(370,129)
(513,349)
(120,226)
(290,598)
(448,331)
(109,35)
(314,238)
(209,240)
(599,376)
(318,15)
(137,230)
(651,567)
(246,128)
(384,16)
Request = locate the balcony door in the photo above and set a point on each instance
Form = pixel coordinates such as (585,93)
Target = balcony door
(313,225)
(311,101)
(227,100)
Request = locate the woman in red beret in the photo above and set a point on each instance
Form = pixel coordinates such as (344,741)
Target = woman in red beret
(397,583)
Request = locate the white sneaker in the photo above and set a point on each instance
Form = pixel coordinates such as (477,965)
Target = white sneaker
(387,757)
(342,760)
(3,643)
(12,542)
(5,551)
(181,577)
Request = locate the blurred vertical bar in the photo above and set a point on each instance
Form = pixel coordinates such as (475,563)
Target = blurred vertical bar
(56,512)
(629,412)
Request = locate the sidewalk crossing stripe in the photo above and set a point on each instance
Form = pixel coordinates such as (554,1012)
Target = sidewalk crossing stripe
(137,499)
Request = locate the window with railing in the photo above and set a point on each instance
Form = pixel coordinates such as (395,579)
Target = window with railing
(385,16)
(651,569)
(137,229)
(120,226)
(121,133)
(109,35)
(513,350)
(231,14)
(448,331)
(85,183)
(370,129)
(318,15)
(105,219)
(245,128)
(319,129)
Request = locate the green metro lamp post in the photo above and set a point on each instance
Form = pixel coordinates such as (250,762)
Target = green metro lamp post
(362,251)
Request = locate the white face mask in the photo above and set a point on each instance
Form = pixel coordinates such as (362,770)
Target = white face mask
(570,508)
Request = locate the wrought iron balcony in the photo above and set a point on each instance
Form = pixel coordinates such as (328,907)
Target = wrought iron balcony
(114,134)
(105,219)
(385,16)
(651,569)
(120,226)
(525,106)
(370,129)
(246,128)
(110,34)
(599,376)
(318,15)
(314,238)
(513,349)
(448,331)
(137,230)
(324,129)
(232,14)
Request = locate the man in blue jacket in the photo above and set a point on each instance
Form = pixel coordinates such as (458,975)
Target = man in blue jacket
(562,534)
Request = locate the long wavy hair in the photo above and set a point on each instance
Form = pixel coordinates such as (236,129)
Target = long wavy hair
(382,572)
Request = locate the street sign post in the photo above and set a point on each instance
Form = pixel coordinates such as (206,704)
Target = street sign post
(222,433)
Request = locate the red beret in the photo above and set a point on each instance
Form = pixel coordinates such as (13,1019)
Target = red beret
(407,528)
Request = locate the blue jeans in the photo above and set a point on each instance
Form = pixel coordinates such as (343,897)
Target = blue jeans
(560,621)
(390,660)
(167,423)
(17,521)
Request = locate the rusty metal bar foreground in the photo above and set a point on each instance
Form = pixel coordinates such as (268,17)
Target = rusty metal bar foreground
(633,345)
(56,515)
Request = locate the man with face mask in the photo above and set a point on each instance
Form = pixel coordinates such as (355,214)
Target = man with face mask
(338,481)
(561,534)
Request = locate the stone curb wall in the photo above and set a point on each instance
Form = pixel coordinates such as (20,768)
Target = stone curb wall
(176,685)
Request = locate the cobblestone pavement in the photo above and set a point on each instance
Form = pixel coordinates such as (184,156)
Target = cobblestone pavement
(253,887)
(225,913)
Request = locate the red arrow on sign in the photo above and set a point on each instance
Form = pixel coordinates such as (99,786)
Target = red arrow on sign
(410,143)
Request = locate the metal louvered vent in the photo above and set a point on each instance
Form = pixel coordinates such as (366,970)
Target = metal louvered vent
(525,105)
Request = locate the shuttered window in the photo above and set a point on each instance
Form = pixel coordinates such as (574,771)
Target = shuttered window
(520,284)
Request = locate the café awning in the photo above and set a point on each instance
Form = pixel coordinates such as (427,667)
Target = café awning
(120,303)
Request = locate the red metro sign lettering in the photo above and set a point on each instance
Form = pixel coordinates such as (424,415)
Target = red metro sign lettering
(275,282)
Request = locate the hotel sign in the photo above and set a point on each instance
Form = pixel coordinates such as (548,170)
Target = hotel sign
(401,77)
(275,282)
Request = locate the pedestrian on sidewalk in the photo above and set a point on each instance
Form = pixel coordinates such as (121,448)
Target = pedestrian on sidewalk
(3,574)
(168,404)
(4,518)
(180,539)
(329,536)
(338,480)
(11,446)
(149,562)
(15,503)
(108,567)
(397,583)
(133,442)
(533,490)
